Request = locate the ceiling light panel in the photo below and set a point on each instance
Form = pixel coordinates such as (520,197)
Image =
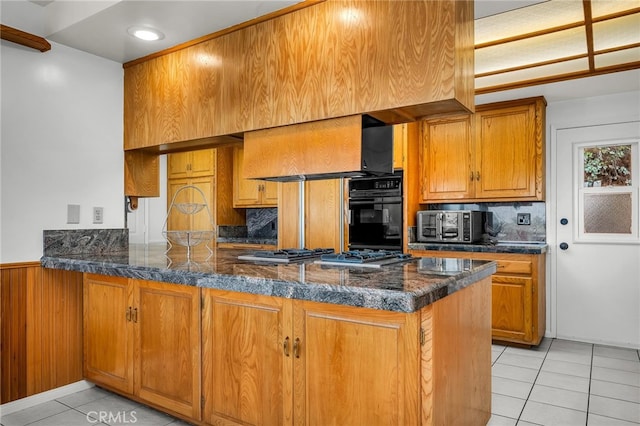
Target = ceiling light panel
(612,33)
(626,56)
(536,73)
(530,19)
(601,8)
(548,47)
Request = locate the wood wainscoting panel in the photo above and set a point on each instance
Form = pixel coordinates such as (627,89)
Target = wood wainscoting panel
(41,329)
(13,326)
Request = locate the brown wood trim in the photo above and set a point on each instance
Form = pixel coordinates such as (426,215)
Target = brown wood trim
(19,265)
(588,24)
(25,39)
(255,21)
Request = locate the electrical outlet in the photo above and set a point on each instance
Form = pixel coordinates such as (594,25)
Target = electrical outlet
(98,215)
(73,213)
(524,218)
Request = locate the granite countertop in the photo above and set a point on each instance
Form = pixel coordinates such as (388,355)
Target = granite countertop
(248,240)
(403,287)
(501,247)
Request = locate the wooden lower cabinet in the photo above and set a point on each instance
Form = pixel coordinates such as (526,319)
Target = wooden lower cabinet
(142,339)
(245,371)
(518,294)
(268,360)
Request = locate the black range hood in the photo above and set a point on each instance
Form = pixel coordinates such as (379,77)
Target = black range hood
(375,155)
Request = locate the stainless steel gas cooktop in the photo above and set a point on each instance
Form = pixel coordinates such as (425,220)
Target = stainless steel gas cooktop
(286,255)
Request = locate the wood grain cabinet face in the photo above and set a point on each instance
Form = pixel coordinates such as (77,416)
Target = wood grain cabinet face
(495,154)
(108,332)
(142,338)
(246,372)
(191,164)
(251,192)
(518,301)
(167,337)
(355,366)
(278,361)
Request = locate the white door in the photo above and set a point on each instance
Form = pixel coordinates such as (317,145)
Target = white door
(596,251)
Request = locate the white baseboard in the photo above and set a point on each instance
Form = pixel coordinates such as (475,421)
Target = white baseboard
(39,398)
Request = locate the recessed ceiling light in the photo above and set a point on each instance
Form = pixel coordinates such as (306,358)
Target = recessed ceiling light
(145,33)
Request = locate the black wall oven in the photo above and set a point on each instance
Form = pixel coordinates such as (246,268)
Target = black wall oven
(375,212)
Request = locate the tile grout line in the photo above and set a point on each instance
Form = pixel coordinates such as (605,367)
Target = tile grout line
(593,349)
(534,383)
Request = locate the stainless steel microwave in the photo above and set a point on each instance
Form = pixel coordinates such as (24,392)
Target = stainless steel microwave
(455,226)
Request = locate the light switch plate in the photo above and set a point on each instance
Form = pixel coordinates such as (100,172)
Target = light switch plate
(73,213)
(98,215)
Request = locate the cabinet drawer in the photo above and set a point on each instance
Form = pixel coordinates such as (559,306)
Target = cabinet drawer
(514,267)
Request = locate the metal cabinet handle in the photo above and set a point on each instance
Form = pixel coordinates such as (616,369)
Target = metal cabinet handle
(471,176)
(285,346)
(564,246)
(128,314)
(134,316)
(477,175)
(296,348)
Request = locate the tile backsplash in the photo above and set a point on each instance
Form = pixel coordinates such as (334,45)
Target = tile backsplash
(505,226)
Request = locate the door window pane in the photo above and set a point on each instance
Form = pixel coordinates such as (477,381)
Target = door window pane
(607,198)
(607,213)
(608,165)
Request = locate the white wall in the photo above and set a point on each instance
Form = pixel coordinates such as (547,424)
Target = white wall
(62,127)
(595,100)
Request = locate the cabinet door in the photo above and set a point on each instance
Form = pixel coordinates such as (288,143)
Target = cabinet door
(108,331)
(355,366)
(178,165)
(202,162)
(447,159)
(202,220)
(246,192)
(168,346)
(247,369)
(511,308)
(506,153)
(177,221)
(269,194)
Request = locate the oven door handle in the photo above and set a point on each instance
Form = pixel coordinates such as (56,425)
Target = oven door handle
(369,201)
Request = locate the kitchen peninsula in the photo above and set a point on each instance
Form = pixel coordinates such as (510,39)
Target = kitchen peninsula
(296,343)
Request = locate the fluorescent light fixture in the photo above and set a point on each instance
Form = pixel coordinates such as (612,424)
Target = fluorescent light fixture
(145,33)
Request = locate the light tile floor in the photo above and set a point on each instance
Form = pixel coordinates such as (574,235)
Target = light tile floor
(560,383)
(565,383)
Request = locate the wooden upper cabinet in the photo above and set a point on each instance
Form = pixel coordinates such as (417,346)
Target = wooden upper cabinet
(510,151)
(446,159)
(257,78)
(191,164)
(251,192)
(495,154)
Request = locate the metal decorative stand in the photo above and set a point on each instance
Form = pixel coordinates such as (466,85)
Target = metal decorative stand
(189,237)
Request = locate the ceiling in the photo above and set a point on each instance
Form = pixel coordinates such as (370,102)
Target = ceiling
(518,42)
